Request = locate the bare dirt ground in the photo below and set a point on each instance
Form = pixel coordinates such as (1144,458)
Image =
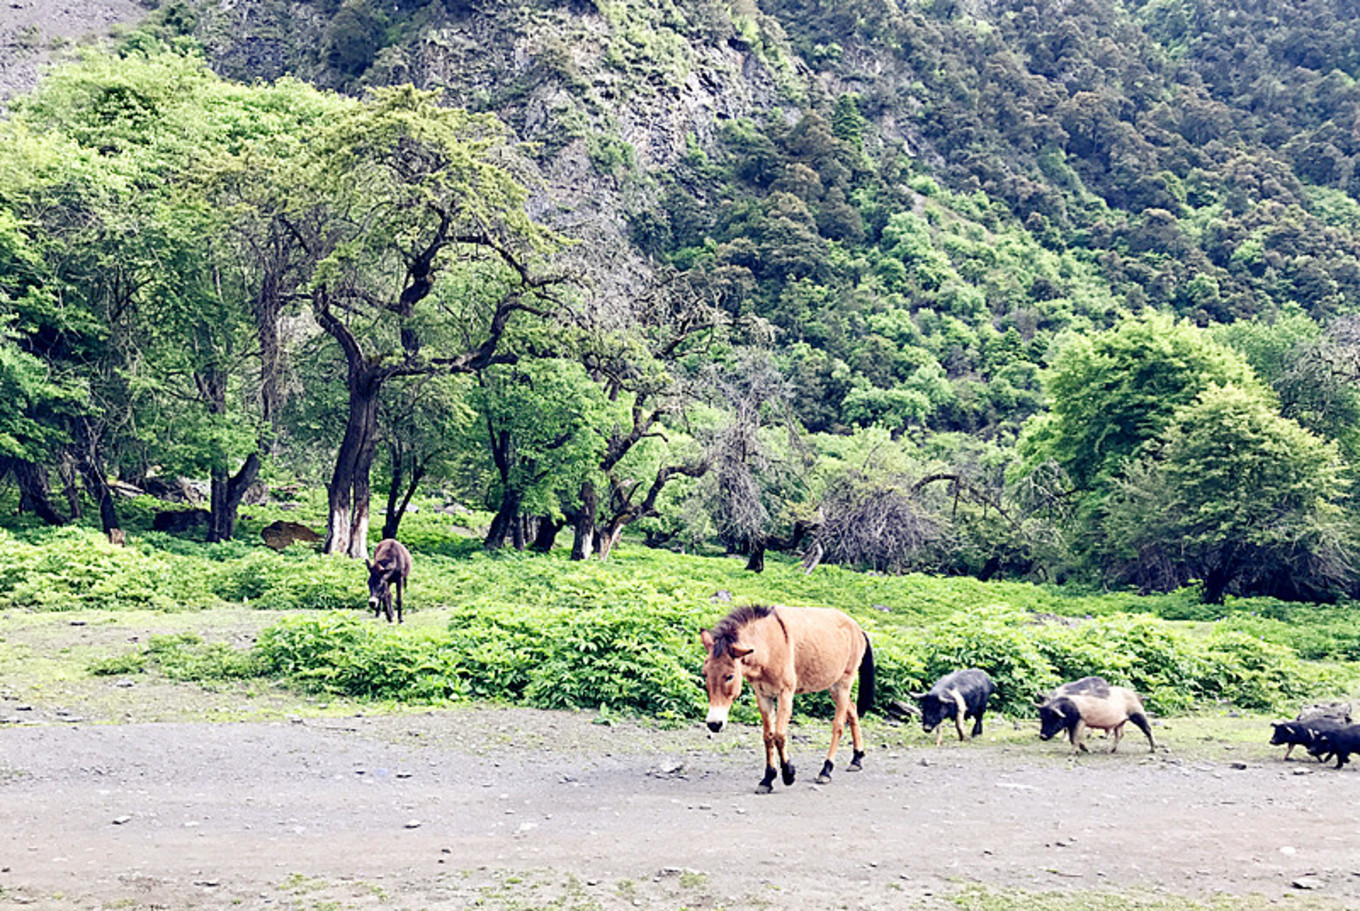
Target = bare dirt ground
(512,808)
(461,807)
(141,793)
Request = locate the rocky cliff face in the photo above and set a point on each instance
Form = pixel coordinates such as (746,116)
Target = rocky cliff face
(35,32)
(607,95)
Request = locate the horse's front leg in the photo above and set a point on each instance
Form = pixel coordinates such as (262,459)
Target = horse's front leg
(767,708)
(401,584)
(781,735)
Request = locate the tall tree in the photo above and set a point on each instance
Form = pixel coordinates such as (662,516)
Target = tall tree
(545,429)
(143,230)
(1113,393)
(637,349)
(419,426)
(425,256)
(1239,498)
(751,479)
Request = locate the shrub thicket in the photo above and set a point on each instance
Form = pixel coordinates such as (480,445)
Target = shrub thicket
(544,631)
(642,659)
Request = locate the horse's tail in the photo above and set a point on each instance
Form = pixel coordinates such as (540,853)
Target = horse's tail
(865,699)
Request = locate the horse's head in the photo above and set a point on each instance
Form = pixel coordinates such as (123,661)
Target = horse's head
(722,677)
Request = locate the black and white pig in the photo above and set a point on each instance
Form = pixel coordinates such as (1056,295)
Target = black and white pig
(959,696)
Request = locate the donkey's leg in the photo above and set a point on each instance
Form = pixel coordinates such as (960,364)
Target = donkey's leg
(781,735)
(401,584)
(841,693)
(767,711)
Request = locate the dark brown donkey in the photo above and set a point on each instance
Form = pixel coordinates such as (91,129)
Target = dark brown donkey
(391,564)
(783,651)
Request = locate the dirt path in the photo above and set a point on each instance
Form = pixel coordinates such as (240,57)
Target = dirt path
(523,809)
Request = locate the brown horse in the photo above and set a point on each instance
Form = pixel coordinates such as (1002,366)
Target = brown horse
(391,564)
(783,651)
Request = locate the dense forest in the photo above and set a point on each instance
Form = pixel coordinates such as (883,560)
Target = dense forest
(1027,289)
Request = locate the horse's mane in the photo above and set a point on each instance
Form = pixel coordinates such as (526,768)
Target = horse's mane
(725,630)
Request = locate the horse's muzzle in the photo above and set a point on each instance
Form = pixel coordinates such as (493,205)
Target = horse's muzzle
(715,726)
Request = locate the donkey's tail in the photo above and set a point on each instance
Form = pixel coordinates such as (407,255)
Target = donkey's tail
(865,699)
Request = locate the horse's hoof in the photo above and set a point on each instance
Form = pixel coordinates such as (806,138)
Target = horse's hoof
(823,779)
(854,767)
(788,774)
(764,788)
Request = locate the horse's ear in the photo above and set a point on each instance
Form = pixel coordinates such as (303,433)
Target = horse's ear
(368,564)
(739,652)
(707,639)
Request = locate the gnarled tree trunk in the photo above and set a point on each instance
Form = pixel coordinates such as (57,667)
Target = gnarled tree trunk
(348,490)
(225,498)
(34,494)
(91,467)
(583,541)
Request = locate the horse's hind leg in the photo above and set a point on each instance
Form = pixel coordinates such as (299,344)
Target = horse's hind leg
(844,710)
(856,740)
(401,584)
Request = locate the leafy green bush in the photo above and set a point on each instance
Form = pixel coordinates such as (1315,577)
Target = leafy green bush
(622,635)
(344,654)
(499,648)
(183,656)
(899,670)
(631,658)
(76,569)
(642,658)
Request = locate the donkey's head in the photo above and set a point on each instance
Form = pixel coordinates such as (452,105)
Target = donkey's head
(379,592)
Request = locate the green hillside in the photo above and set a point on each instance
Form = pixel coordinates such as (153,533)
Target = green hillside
(1032,291)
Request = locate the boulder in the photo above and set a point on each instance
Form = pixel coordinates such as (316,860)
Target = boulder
(279,535)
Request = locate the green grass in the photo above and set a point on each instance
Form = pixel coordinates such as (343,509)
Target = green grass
(622,635)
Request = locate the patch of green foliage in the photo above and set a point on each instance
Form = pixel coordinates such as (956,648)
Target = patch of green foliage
(341,653)
(182,656)
(77,569)
(642,658)
(622,635)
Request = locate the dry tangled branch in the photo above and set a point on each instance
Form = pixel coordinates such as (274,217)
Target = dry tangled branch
(877,526)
